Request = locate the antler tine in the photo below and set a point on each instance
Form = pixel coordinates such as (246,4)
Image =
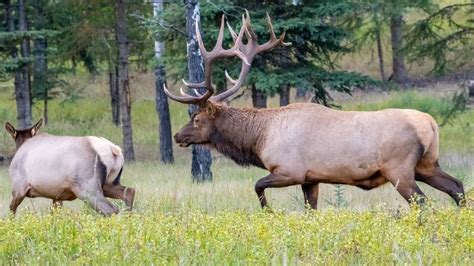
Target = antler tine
(248,27)
(220,36)
(232,32)
(193,85)
(270,25)
(274,41)
(184,93)
(198,93)
(236,85)
(187,99)
(229,78)
(199,39)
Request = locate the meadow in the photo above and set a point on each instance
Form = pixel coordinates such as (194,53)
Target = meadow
(176,221)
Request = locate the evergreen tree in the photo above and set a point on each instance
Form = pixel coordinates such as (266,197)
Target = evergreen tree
(445,36)
(308,63)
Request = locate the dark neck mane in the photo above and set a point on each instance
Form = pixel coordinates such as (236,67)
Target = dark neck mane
(239,134)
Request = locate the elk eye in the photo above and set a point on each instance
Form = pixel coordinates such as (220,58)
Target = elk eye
(196,120)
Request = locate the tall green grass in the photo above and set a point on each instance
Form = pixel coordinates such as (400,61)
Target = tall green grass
(190,237)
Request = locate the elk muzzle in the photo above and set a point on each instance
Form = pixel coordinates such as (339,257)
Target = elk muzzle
(181,140)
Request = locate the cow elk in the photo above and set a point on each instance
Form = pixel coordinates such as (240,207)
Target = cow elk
(65,168)
(307,144)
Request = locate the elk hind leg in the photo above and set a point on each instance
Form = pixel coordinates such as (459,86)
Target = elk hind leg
(16,201)
(95,198)
(310,192)
(19,192)
(120,192)
(437,178)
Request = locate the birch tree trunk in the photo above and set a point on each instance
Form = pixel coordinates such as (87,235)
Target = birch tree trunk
(201,162)
(162,107)
(123,81)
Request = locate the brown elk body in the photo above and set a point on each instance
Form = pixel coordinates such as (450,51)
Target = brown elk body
(65,168)
(307,144)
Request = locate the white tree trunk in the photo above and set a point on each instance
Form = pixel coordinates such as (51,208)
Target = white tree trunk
(162,107)
(201,162)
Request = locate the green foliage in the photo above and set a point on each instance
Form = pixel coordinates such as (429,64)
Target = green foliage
(444,110)
(307,62)
(445,36)
(339,199)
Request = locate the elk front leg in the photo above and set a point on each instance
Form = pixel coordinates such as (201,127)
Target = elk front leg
(120,192)
(310,192)
(272,180)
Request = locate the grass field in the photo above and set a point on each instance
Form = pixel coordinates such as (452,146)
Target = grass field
(178,222)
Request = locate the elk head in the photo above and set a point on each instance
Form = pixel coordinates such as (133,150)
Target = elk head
(202,122)
(20,136)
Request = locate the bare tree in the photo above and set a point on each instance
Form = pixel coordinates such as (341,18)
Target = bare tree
(399,74)
(123,80)
(114,93)
(201,161)
(162,107)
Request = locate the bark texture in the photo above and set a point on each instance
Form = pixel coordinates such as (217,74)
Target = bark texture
(201,156)
(162,107)
(123,81)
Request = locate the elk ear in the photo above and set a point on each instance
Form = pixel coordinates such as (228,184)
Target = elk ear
(11,130)
(211,109)
(34,129)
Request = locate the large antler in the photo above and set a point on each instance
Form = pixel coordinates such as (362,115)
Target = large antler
(246,52)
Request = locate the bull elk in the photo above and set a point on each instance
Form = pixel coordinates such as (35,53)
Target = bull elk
(307,144)
(65,168)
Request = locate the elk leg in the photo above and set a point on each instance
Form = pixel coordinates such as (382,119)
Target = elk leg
(120,192)
(16,200)
(440,180)
(310,192)
(101,204)
(96,200)
(272,180)
(404,183)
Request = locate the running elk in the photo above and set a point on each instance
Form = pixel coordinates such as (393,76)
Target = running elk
(307,144)
(66,168)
